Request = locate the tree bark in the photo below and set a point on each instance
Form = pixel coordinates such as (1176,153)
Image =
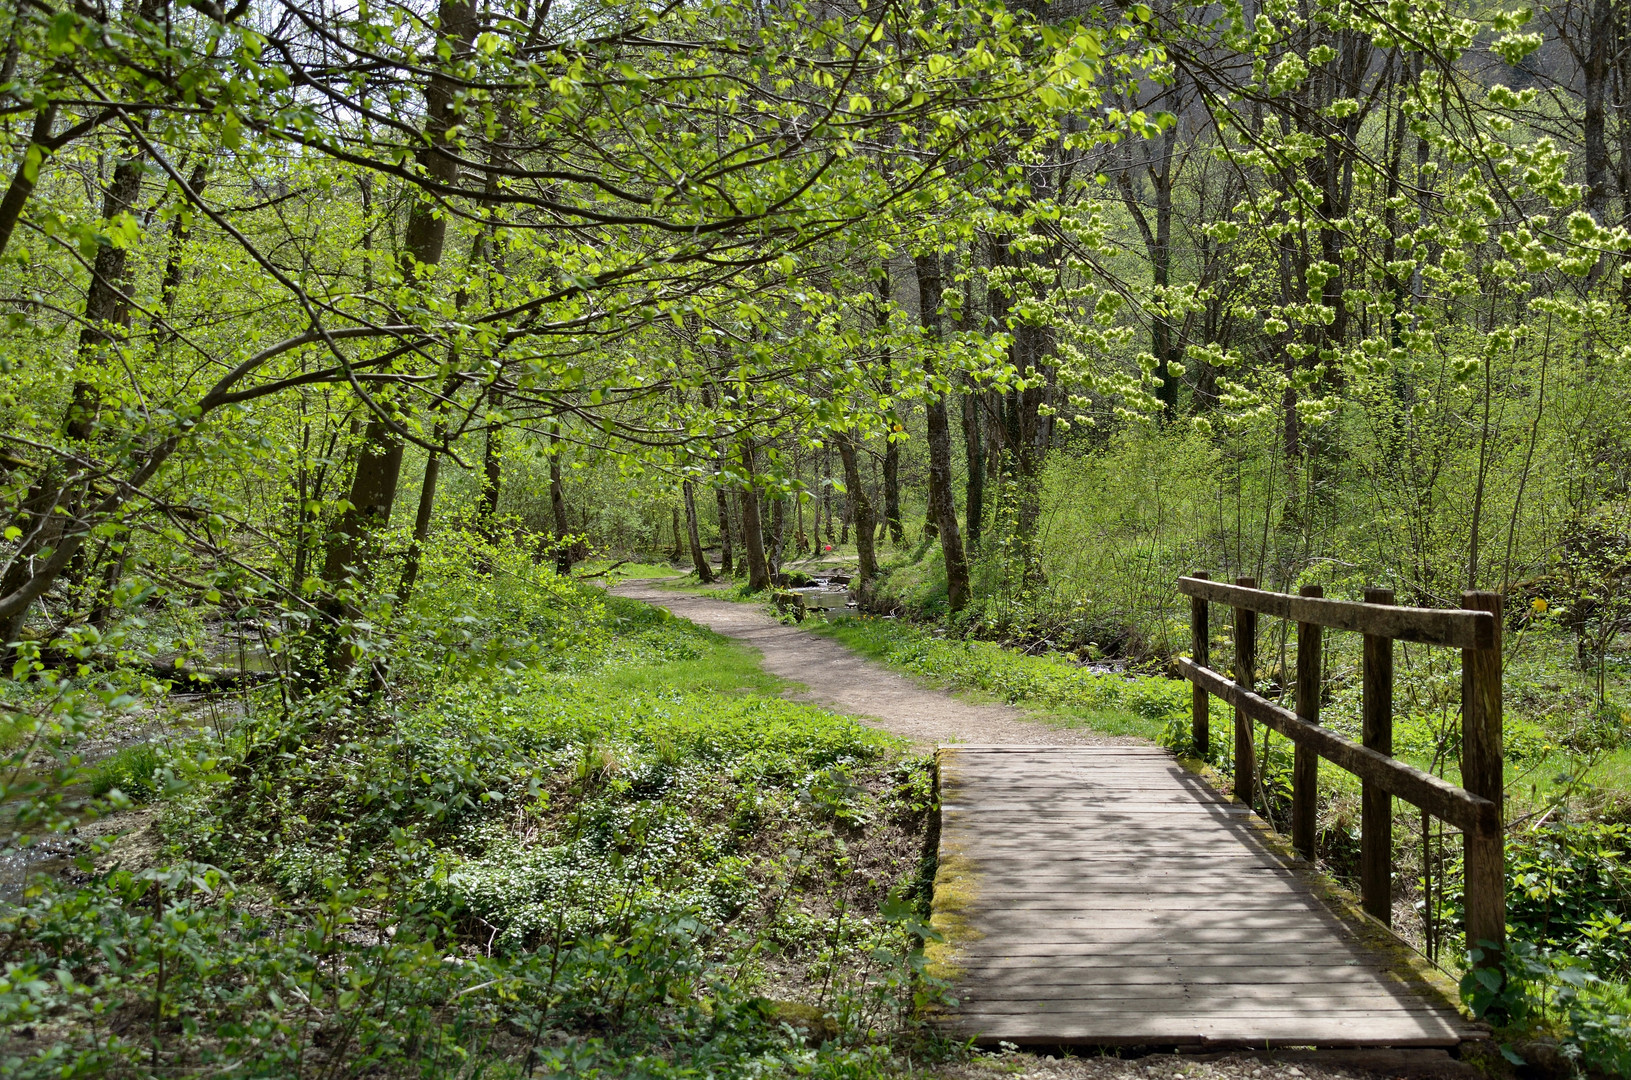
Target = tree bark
(942,506)
(557,505)
(379,466)
(753,541)
(891,492)
(726,561)
(974,459)
(1595,72)
(421,526)
(41,145)
(492,455)
(180,231)
(49,513)
(699,561)
(778,536)
(859,505)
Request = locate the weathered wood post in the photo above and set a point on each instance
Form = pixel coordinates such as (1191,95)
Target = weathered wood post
(1245,675)
(1376,805)
(1482,774)
(1200,647)
(1305,771)
(1375,842)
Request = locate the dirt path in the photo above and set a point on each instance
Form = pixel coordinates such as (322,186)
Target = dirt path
(840,679)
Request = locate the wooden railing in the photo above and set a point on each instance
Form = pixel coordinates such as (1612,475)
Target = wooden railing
(1474,808)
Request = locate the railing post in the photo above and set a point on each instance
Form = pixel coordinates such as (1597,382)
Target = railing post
(1376,805)
(1245,675)
(1200,729)
(1305,771)
(1482,774)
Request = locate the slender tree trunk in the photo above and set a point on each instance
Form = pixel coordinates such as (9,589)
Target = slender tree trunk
(974,459)
(180,232)
(860,506)
(826,491)
(942,505)
(778,536)
(699,561)
(1595,72)
(41,145)
(891,492)
(421,526)
(678,549)
(557,507)
(753,541)
(379,465)
(726,562)
(491,474)
(48,514)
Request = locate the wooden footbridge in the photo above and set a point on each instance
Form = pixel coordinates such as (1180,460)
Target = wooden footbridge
(1107,896)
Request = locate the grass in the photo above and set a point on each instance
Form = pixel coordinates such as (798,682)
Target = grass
(131,770)
(605,569)
(1047,688)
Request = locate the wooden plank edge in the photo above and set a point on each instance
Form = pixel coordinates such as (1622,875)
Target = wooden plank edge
(1451,627)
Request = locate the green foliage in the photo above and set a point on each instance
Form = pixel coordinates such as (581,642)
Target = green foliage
(132,770)
(581,835)
(1569,892)
(1532,990)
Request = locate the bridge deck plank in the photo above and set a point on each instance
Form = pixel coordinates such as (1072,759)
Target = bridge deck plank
(1104,896)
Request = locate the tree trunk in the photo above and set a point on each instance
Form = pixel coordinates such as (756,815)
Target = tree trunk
(491,474)
(557,506)
(351,548)
(826,492)
(778,536)
(860,508)
(180,231)
(379,466)
(726,564)
(1595,72)
(678,549)
(942,506)
(421,526)
(974,458)
(699,561)
(753,541)
(891,492)
(48,514)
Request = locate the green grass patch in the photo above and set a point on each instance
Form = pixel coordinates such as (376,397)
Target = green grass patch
(610,570)
(132,770)
(1052,688)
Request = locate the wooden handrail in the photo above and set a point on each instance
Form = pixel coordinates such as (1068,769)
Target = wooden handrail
(1437,796)
(1426,626)
(1475,807)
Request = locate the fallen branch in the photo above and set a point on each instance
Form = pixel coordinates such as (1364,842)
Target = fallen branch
(603,573)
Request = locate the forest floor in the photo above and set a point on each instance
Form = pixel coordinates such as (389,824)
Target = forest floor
(833,676)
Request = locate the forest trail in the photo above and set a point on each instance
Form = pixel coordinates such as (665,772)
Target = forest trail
(1094,893)
(836,677)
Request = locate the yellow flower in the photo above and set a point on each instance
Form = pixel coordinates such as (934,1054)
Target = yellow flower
(1540,606)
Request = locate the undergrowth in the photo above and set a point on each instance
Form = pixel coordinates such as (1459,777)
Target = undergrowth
(573,834)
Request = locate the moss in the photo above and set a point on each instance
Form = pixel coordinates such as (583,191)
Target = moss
(809,1021)
(956,890)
